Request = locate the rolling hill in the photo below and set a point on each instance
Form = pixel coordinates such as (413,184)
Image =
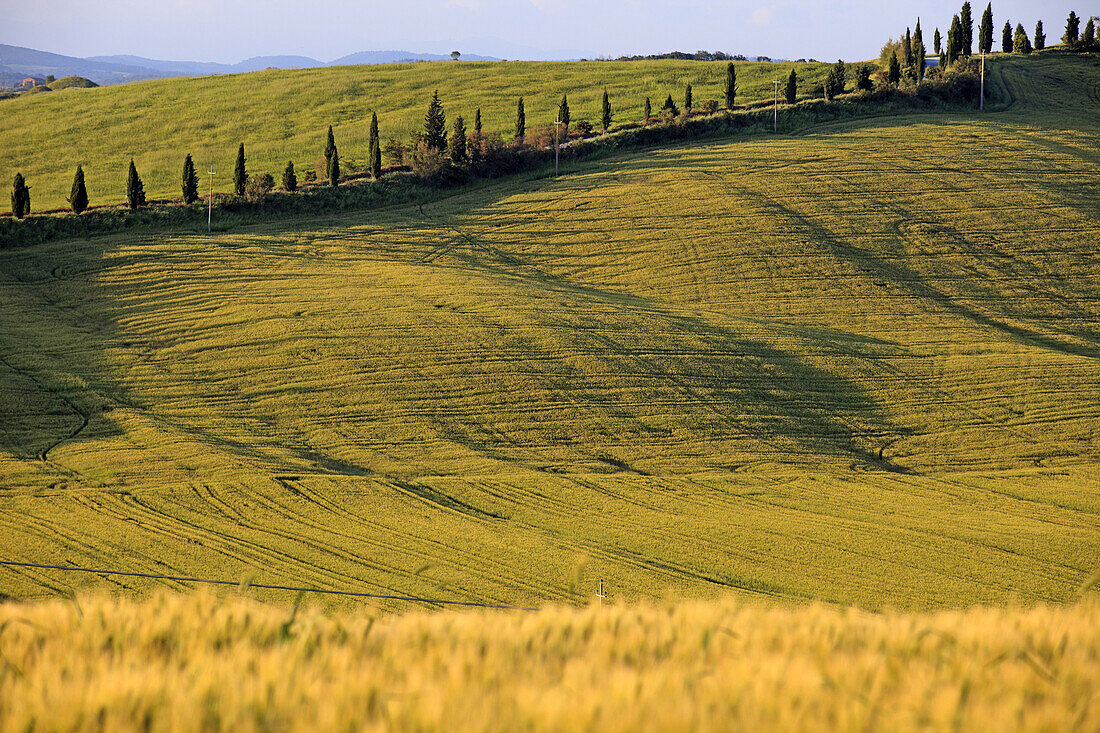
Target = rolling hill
(859,364)
(281,115)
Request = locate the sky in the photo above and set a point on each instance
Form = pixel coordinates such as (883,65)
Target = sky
(228,31)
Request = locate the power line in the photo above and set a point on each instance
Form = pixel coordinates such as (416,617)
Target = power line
(208,581)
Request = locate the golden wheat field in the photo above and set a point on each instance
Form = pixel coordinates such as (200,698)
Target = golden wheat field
(197,663)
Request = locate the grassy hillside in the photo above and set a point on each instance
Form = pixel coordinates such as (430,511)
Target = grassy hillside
(282,115)
(859,365)
(195,664)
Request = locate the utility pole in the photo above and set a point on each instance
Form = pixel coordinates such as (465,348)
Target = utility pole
(557,126)
(210,202)
(775,107)
(601,595)
(982,103)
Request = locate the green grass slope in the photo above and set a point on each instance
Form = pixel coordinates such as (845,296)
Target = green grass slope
(860,364)
(284,115)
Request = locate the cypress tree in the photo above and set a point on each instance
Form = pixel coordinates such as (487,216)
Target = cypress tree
(78,196)
(792,86)
(918,58)
(943,60)
(966,21)
(334,168)
(918,36)
(670,106)
(521,121)
(330,144)
(135,190)
(648,110)
(563,112)
(1006,38)
(730,87)
(1073,27)
(457,150)
(189,181)
(374,148)
(605,117)
(907,49)
(894,74)
(1020,41)
(290,179)
(1088,38)
(1040,37)
(240,175)
(475,139)
(985,31)
(834,83)
(863,78)
(435,125)
(20,197)
(953,42)
(687,98)
(937,42)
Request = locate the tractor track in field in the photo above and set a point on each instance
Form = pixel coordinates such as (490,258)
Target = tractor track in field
(44,454)
(499,572)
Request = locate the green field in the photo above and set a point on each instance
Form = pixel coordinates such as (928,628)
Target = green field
(859,364)
(284,115)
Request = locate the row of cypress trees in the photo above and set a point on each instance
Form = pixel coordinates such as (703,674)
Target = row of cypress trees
(189,184)
(960,36)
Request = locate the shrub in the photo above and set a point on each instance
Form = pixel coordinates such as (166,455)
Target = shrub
(711,106)
(396,151)
(258,186)
(584,127)
(427,161)
(290,180)
(309,176)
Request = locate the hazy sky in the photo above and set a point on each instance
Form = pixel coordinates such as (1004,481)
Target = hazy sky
(231,30)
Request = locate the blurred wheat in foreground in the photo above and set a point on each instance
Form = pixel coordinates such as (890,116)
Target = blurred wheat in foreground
(207,663)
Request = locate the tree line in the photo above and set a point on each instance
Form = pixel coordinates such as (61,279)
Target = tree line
(429,151)
(905,57)
(433,149)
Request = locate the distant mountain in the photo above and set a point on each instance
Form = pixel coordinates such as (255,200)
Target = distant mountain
(398,57)
(198,68)
(17,62)
(30,62)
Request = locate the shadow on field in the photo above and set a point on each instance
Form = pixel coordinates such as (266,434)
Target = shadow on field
(663,385)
